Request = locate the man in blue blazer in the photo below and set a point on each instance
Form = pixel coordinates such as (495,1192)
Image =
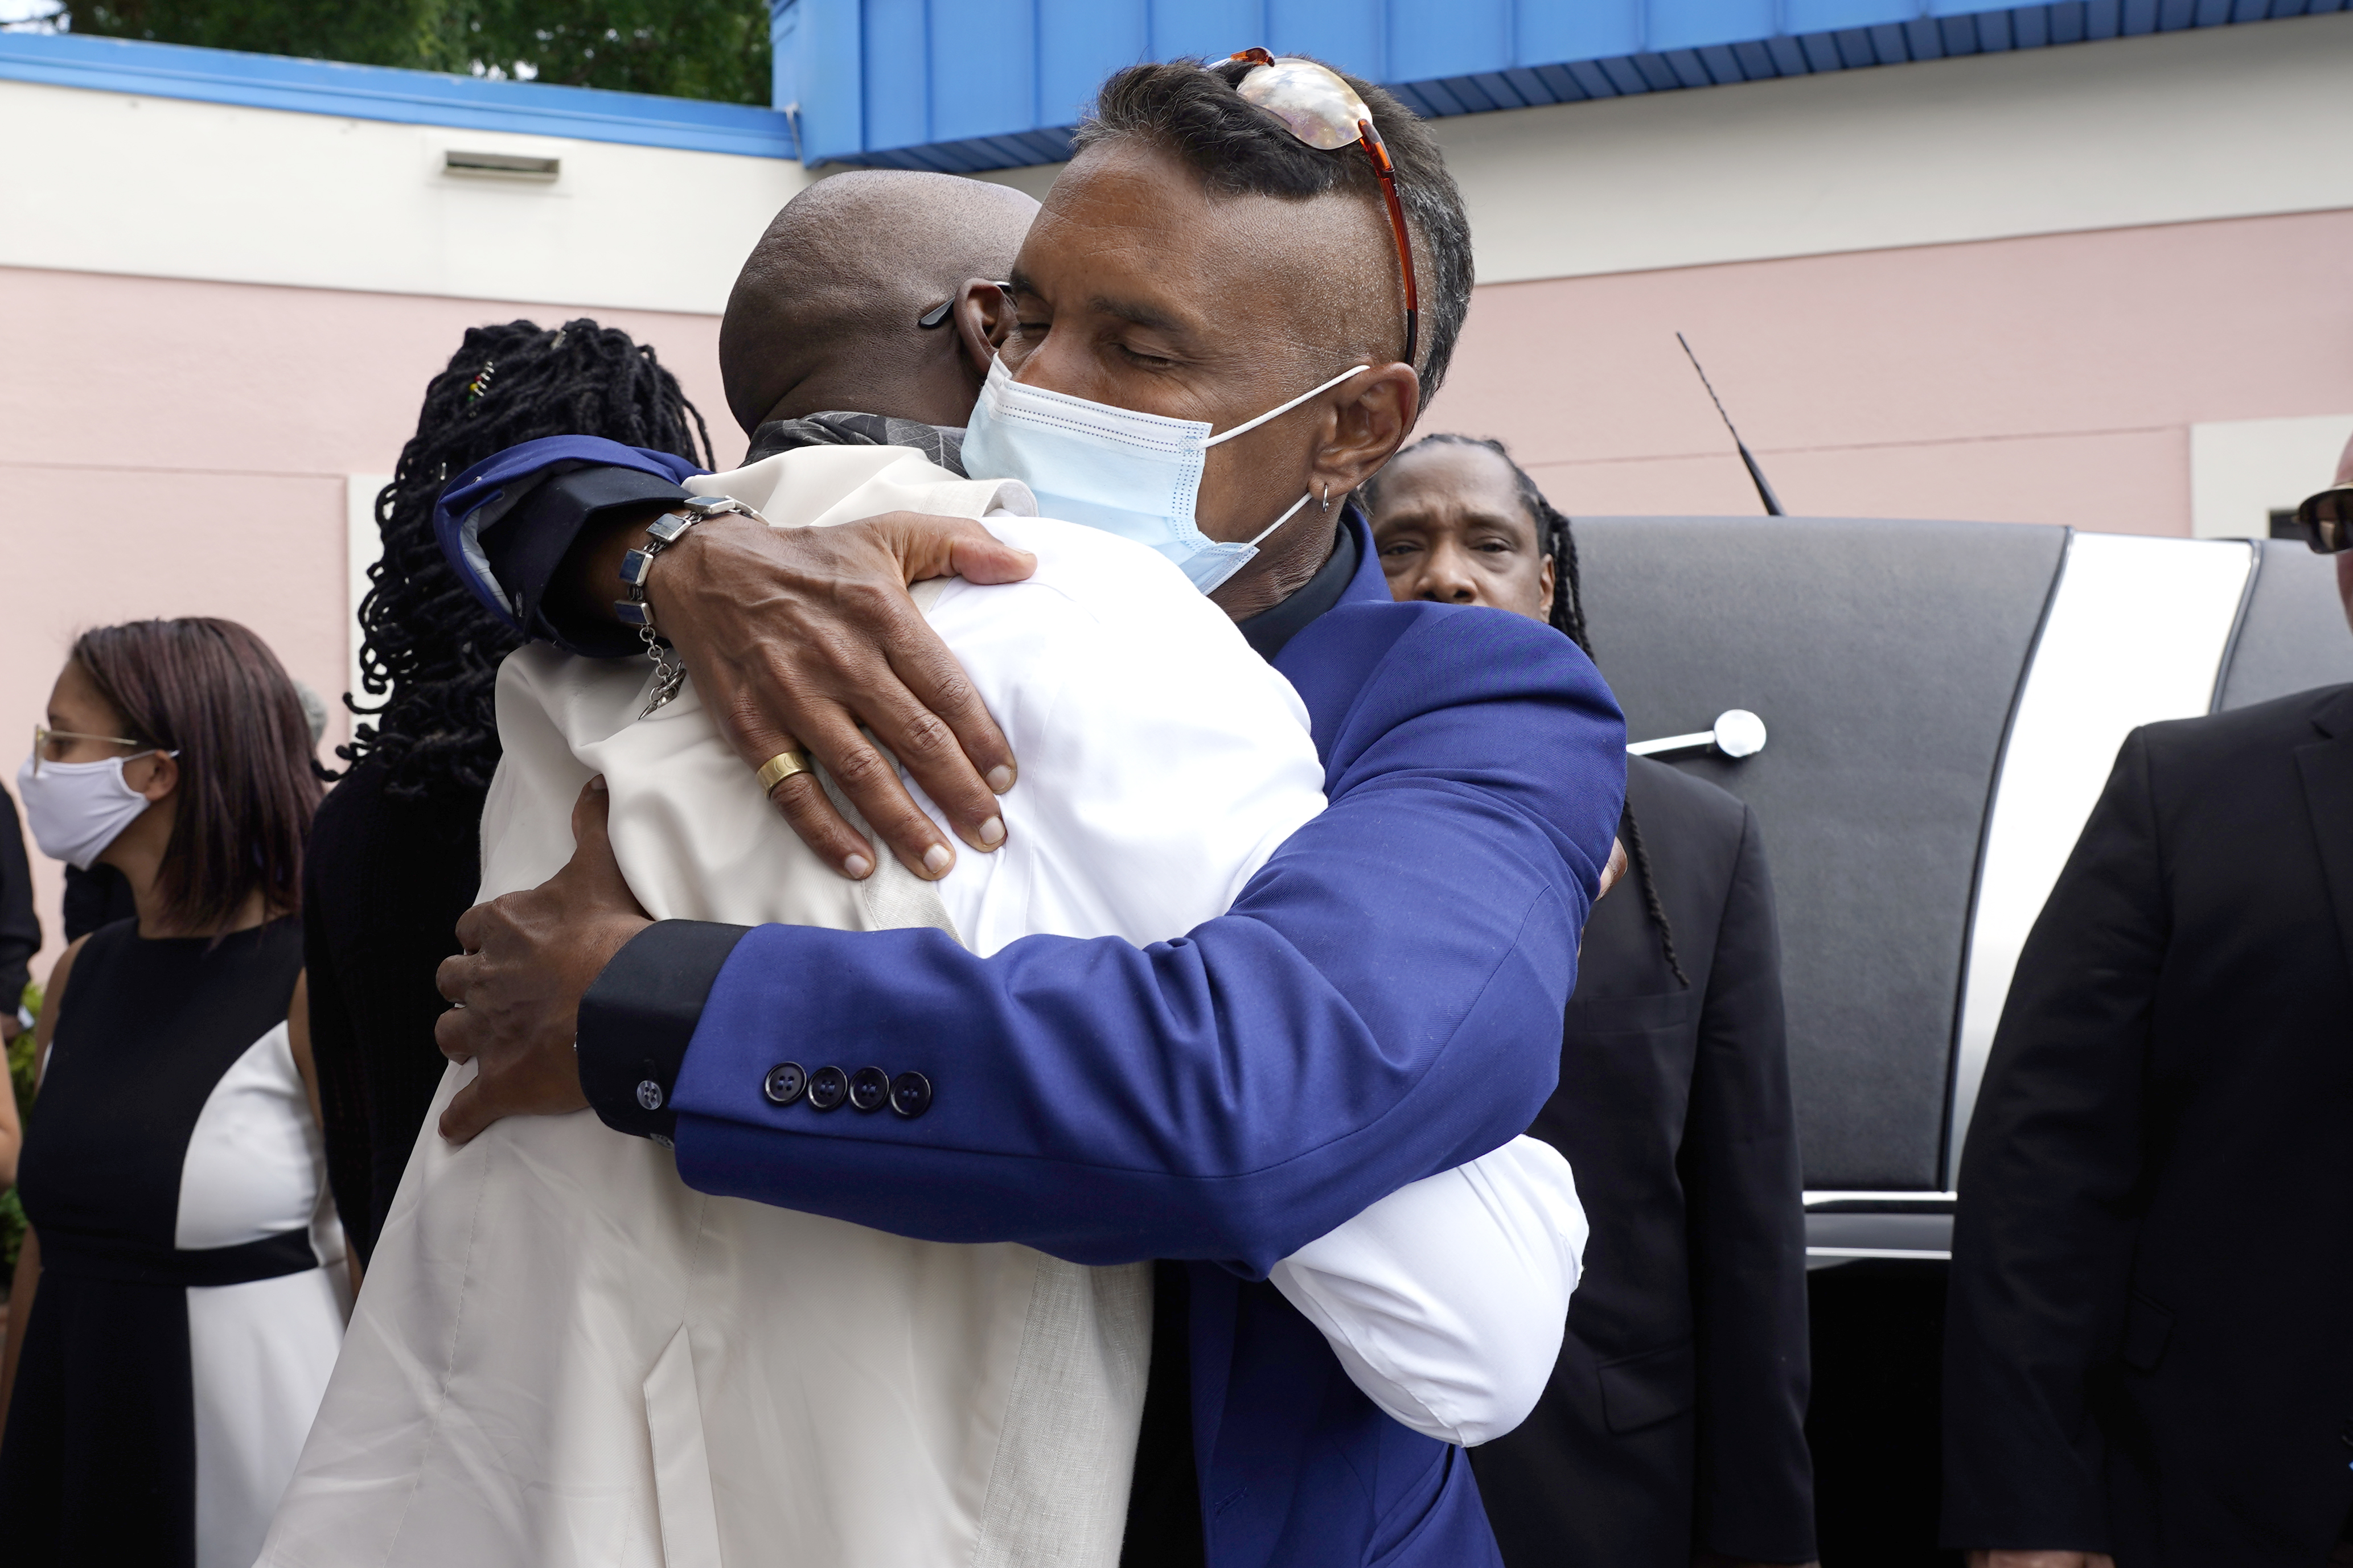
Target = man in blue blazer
(1382,1002)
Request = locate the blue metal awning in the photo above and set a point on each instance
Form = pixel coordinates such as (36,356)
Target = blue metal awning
(965,85)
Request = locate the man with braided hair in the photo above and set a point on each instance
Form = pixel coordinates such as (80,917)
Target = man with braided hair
(1673,1430)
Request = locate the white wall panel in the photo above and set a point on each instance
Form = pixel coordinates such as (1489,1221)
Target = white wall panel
(2134,634)
(2242,470)
(102,181)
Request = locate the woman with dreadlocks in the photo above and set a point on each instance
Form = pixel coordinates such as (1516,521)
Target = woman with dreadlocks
(394,857)
(1673,1433)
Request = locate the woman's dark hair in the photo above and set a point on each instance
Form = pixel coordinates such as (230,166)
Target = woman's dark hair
(213,692)
(1555,539)
(1192,112)
(429,648)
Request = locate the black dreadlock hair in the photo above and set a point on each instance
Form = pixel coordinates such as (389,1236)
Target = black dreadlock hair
(429,649)
(1555,539)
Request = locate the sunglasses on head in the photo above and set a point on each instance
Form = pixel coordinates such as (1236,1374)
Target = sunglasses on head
(2327,520)
(1314,104)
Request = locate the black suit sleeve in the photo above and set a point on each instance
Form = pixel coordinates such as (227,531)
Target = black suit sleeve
(2042,1243)
(638,1017)
(526,550)
(20,927)
(1747,1220)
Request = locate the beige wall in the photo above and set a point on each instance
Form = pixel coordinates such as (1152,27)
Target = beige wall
(171,448)
(2051,379)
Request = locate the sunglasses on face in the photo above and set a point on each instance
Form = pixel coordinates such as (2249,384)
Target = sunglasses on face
(1323,111)
(2327,520)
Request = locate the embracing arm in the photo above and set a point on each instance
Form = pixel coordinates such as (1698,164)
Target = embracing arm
(1381,1004)
(794,638)
(2042,1241)
(1446,1301)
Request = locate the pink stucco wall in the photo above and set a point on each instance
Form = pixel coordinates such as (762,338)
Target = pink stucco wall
(2040,380)
(175,447)
(171,448)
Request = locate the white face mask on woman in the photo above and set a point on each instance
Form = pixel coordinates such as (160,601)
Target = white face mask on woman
(77,809)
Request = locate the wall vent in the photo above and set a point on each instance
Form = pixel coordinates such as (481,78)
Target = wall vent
(501,166)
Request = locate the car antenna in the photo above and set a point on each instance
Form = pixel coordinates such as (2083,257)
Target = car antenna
(1772,502)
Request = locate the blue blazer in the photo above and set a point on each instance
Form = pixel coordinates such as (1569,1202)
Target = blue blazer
(1382,1003)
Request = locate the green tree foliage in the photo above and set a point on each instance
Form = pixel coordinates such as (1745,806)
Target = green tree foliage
(683,49)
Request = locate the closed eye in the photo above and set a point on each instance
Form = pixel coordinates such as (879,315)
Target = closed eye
(1142,361)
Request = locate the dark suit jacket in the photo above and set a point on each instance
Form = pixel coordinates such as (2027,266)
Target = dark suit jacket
(1676,1415)
(2149,1342)
(20,927)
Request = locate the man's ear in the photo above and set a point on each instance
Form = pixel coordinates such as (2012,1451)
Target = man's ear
(1374,416)
(983,317)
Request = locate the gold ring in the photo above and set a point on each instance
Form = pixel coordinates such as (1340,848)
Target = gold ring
(779,768)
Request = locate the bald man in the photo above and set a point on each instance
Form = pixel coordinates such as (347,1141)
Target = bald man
(2148,1350)
(853,260)
(816,323)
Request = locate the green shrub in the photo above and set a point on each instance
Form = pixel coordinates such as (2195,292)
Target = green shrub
(20,1079)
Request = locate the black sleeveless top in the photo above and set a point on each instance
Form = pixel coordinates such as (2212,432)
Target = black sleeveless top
(99,1459)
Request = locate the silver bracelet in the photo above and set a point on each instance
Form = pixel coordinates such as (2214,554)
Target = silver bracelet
(638,566)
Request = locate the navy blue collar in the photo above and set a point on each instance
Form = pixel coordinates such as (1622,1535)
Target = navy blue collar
(1351,574)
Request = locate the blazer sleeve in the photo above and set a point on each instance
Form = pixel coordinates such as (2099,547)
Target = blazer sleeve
(1748,1230)
(505,524)
(1381,1003)
(2042,1241)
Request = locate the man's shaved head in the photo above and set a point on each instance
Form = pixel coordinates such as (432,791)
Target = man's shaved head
(827,303)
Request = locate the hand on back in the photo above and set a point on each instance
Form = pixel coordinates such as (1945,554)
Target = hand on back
(528,959)
(802,638)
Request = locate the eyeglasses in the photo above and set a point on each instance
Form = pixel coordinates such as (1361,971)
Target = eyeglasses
(2327,520)
(50,745)
(1323,111)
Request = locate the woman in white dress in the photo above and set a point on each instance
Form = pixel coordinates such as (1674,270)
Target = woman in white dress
(180,1298)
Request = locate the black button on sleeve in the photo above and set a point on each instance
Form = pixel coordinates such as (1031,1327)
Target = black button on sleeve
(910,1094)
(828,1087)
(869,1088)
(638,1019)
(786,1082)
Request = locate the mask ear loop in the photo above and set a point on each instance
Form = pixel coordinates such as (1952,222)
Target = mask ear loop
(1278,412)
(1279,521)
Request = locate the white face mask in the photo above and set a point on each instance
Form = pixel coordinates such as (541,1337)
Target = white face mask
(1136,475)
(77,809)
